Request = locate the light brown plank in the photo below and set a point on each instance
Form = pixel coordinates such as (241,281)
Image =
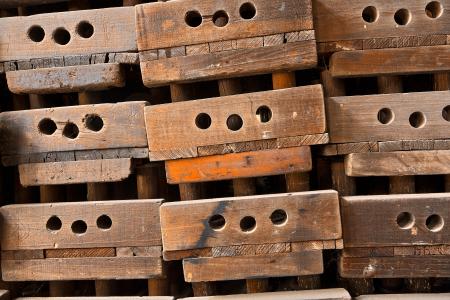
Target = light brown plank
(433,296)
(100,298)
(80,252)
(66,79)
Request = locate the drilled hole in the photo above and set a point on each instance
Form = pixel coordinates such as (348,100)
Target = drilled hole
(434,223)
(370,14)
(247,224)
(217,222)
(203,121)
(54,223)
(104,222)
(264,113)
(193,18)
(402,16)
(278,217)
(47,126)
(247,11)
(36,33)
(85,29)
(61,36)
(405,220)
(234,122)
(417,119)
(71,130)
(93,122)
(434,9)
(385,116)
(446,113)
(220,18)
(79,227)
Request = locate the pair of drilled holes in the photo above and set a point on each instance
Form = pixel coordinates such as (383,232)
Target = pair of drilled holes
(403,16)
(248,223)
(434,223)
(234,121)
(92,122)
(54,224)
(220,18)
(61,35)
(416,119)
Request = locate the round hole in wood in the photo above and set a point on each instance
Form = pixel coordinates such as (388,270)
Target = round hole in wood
(385,116)
(247,224)
(220,18)
(402,17)
(434,9)
(234,122)
(247,11)
(279,217)
(405,220)
(104,222)
(264,114)
(217,222)
(36,33)
(446,113)
(79,227)
(61,36)
(71,130)
(85,29)
(203,121)
(417,119)
(434,223)
(370,14)
(93,122)
(54,223)
(47,126)
(193,18)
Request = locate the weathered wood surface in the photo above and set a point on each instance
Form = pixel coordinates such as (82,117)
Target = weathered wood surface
(100,298)
(71,172)
(84,127)
(239,165)
(18,3)
(245,117)
(434,296)
(287,217)
(395,220)
(113,31)
(25,225)
(401,163)
(388,117)
(67,79)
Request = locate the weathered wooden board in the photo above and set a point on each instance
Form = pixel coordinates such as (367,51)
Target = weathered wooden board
(93,77)
(242,19)
(84,127)
(239,165)
(245,117)
(433,296)
(395,220)
(68,33)
(35,226)
(231,268)
(71,172)
(401,163)
(100,298)
(4,295)
(388,117)
(302,216)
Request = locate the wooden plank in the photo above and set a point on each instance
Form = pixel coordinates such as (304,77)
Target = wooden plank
(68,33)
(94,77)
(179,18)
(239,165)
(80,252)
(100,298)
(395,220)
(235,63)
(404,61)
(388,117)
(105,224)
(230,268)
(432,296)
(83,127)
(401,163)
(71,172)
(249,220)
(18,3)
(237,118)
(4,295)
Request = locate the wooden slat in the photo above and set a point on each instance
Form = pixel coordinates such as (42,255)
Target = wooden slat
(134,223)
(67,79)
(80,252)
(401,163)
(433,296)
(100,298)
(123,127)
(294,112)
(71,172)
(114,31)
(185,225)
(239,165)
(377,221)
(271,17)
(231,268)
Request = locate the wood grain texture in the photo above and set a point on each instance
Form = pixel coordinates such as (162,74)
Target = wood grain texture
(271,17)
(239,165)
(114,31)
(295,112)
(381,227)
(230,268)
(25,225)
(185,225)
(67,79)
(72,172)
(401,163)
(123,127)
(100,298)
